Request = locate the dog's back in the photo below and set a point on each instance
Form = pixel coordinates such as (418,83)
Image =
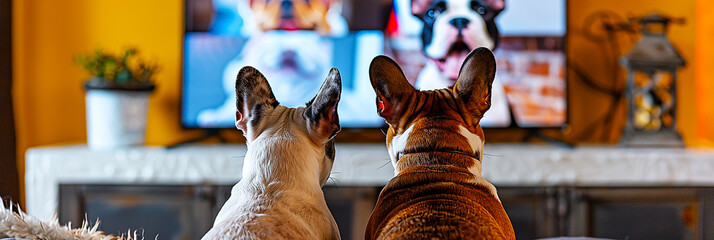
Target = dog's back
(436,145)
(445,203)
(273,213)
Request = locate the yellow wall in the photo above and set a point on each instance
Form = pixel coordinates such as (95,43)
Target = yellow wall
(704,75)
(587,105)
(49,101)
(47,34)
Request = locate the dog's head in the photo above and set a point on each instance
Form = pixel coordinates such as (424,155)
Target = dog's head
(452,28)
(304,132)
(293,14)
(444,120)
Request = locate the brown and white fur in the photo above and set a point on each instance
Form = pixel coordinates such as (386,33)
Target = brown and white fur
(435,143)
(289,157)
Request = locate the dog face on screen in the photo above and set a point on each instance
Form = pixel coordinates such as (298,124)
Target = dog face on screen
(314,15)
(452,29)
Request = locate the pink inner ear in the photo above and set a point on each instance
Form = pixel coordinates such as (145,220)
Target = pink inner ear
(332,112)
(383,107)
(240,123)
(496,4)
(419,6)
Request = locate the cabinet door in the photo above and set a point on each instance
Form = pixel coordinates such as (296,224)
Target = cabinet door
(171,212)
(639,213)
(351,208)
(532,211)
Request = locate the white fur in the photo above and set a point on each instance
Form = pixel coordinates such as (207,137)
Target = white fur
(475,35)
(21,225)
(476,144)
(399,143)
(431,78)
(282,176)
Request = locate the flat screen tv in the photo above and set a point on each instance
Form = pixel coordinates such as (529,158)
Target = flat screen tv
(294,43)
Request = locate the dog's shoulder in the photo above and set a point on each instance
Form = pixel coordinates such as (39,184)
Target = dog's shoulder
(453,201)
(271,214)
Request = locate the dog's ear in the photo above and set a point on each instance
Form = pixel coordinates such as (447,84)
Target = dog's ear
(253,98)
(323,123)
(497,5)
(392,88)
(420,6)
(473,86)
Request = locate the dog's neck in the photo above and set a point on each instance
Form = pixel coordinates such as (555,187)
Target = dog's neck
(434,158)
(445,136)
(448,159)
(283,164)
(422,152)
(281,158)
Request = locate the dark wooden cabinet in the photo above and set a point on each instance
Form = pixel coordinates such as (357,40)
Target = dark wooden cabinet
(643,213)
(611,212)
(171,212)
(188,211)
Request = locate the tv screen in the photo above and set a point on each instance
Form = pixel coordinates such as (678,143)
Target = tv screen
(295,43)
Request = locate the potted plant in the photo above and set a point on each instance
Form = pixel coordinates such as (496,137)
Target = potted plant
(117,97)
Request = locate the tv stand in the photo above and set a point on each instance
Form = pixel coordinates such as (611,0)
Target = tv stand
(535,133)
(207,134)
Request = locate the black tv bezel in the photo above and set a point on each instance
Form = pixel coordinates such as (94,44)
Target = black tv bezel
(512,125)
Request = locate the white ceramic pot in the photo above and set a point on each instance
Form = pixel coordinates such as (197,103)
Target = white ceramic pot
(115,118)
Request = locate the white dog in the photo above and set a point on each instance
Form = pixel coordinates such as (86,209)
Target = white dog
(290,156)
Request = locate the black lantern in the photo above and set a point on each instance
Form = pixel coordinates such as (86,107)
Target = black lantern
(651,87)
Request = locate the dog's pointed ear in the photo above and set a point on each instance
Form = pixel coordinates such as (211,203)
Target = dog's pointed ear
(473,86)
(392,88)
(420,6)
(497,5)
(323,123)
(253,98)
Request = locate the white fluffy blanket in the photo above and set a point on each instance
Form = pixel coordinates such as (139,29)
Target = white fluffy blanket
(16,224)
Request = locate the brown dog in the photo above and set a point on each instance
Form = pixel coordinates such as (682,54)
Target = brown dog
(435,143)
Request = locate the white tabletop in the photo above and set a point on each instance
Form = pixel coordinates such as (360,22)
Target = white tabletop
(360,165)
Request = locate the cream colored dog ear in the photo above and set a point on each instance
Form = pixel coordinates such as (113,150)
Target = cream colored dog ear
(475,79)
(323,123)
(253,98)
